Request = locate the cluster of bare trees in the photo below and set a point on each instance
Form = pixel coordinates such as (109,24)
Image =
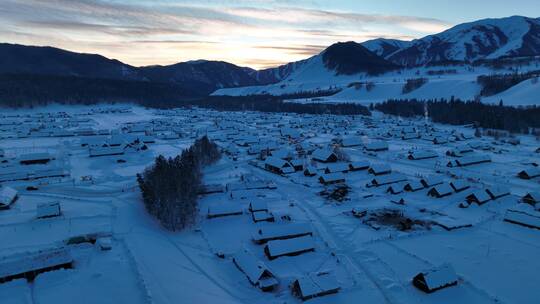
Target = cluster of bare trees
(169,187)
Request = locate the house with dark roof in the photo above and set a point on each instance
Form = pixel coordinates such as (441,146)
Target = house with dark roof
(529,173)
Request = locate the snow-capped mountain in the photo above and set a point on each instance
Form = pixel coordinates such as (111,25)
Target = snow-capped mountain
(484,39)
(385,47)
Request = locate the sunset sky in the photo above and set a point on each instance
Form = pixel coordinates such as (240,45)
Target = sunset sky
(255,33)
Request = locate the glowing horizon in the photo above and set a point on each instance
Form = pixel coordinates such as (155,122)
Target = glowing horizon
(256,34)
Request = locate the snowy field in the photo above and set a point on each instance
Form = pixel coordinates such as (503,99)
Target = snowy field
(370,258)
(458,81)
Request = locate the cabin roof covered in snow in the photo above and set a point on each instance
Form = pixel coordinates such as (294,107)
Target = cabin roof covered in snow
(315,284)
(276,162)
(7,195)
(281,230)
(292,245)
(322,154)
(440,276)
(25,262)
(253,268)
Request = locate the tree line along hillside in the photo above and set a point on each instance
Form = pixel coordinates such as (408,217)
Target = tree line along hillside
(458,112)
(497,83)
(23,90)
(169,187)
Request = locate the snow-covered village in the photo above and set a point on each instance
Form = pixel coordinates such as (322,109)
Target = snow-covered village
(269,152)
(323,208)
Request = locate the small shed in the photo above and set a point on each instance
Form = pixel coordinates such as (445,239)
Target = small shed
(315,285)
(8,196)
(436,279)
(47,210)
(262,216)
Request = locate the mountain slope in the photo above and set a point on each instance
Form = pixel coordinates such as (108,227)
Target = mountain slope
(483,39)
(201,74)
(274,75)
(21,59)
(216,74)
(385,47)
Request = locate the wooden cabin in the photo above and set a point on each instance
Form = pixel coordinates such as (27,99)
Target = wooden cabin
(29,265)
(278,165)
(380,169)
(289,247)
(376,146)
(332,178)
(224,209)
(480,197)
(441,190)
(531,198)
(386,180)
(529,173)
(264,234)
(435,279)
(324,156)
(256,271)
(522,218)
(359,165)
(420,155)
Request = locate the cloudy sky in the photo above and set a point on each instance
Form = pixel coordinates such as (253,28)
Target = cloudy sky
(255,33)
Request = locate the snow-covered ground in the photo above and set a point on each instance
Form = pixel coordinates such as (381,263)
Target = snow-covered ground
(460,83)
(495,261)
